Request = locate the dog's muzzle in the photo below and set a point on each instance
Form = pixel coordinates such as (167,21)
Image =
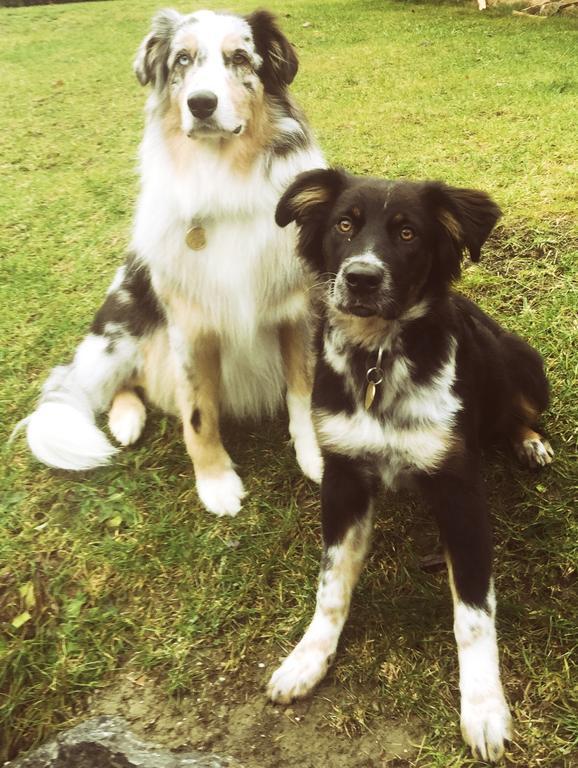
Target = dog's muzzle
(359,288)
(203,106)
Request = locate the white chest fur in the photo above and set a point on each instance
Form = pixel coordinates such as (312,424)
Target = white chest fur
(409,427)
(247,273)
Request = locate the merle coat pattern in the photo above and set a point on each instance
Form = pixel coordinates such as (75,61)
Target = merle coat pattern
(448,377)
(210,313)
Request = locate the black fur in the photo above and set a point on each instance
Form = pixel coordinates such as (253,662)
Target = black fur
(196,420)
(133,307)
(280,61)
(416,235)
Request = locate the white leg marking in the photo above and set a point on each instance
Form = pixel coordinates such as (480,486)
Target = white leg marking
(485,717)
(307,664)
(535,452)
(303,434)
(222,493)
(127,417)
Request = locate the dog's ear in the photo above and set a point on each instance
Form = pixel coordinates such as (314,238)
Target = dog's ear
(307,201)
(467,215)
(309,196)
(150,64)
(280,61)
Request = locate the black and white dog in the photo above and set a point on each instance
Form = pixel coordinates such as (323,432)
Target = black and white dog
(410,378)
(210,313)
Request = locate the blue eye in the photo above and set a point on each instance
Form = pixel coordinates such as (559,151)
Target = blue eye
(183,59)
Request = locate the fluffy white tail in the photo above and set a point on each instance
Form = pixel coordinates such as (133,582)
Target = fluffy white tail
(62,432)
(64,437)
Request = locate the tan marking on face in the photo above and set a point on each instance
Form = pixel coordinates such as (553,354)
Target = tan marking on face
(368,332)
(244,150)
(450,223)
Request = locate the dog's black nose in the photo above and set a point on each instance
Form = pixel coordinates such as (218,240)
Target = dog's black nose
(202,104)
(362,277)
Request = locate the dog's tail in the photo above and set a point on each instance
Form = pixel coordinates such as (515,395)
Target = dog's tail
(62,431)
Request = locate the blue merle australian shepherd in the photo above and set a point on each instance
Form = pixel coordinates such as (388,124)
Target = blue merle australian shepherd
(209,314)
(410,378)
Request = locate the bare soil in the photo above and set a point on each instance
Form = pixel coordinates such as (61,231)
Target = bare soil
(231,717)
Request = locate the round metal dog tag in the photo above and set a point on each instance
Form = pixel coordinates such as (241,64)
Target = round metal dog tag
(196,238)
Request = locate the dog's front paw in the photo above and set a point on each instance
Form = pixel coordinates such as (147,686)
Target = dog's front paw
(486,725)
(309,458)
(298,675)
(221,493)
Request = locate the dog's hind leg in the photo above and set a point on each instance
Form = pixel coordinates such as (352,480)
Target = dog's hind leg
(62,431)
(347,523)
(529,399)
(297,363)
(127,416)
(529,446)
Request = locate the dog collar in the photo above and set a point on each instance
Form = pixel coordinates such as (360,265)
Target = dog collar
(374,377)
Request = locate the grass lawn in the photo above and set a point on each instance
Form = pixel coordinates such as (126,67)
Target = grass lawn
(119,572)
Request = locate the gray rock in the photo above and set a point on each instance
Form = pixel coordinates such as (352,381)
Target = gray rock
(106,742)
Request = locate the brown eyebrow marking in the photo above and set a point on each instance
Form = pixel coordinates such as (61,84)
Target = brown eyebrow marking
(398,218)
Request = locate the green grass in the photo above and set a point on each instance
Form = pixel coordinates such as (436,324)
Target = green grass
(120,568)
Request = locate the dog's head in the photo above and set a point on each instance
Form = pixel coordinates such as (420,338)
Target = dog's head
(213,69)
(387,245)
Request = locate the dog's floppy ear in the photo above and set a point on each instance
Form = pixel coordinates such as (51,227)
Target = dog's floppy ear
(150,64)
(307,201)
(280,61)
(309,196)
(467,215)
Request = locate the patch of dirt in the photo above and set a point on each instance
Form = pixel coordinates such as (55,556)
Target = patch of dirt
(232,717)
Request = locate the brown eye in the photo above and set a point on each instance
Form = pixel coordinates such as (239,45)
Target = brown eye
(406,233)
(345,226)
(239,58)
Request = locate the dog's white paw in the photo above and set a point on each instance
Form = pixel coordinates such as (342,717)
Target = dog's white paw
(535,452)
(303,435)
(309,457)
(486,725)
(127,418)
(298,675)
(221,494)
